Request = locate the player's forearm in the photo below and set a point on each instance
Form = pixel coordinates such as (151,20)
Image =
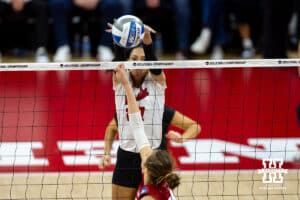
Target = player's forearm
(147,40)
(109,138)
(149,52)
(191,132)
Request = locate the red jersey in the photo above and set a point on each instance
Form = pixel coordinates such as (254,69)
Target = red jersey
(161,192)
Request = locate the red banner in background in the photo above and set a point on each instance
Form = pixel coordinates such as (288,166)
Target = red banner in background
(55,121)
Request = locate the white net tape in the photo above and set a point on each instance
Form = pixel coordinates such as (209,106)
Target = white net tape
(168,64)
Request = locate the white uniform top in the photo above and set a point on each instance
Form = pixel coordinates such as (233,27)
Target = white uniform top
(151,99)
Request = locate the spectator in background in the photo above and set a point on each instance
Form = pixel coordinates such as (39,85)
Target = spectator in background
(183,27)
(127,6)
(31,8)
(297,7)
(157,14)
(182,11)
(61,10)
(244,11)
(276,17)
(247,44)
(212,29)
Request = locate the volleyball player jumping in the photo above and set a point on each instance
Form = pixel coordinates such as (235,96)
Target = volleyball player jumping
(149,87)
(157,165)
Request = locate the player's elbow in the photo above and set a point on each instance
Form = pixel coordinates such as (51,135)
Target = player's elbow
(194,130)
(197,129)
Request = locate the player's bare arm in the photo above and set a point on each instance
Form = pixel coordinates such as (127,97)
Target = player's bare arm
(110,135)
(191,128)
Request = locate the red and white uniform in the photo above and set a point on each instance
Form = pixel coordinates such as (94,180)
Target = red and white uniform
(151,99)
(160,192)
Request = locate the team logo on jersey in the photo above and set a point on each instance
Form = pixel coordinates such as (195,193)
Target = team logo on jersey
(144,190)
(142,94)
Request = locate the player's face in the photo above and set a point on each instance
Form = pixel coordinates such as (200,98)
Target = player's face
(138,54)
(138,74)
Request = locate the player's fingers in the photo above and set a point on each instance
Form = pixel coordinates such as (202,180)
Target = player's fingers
(106,162)
(171,136)
(168,135)
(101,163)
(109,28)
(152,30)
(109,25)
(149,28)
(122,66)
(174,136)
(119,67)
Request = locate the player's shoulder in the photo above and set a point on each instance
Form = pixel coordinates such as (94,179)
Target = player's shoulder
(146,189)
(156,193)
(158,83)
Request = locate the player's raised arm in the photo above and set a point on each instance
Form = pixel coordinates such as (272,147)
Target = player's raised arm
(135,118)
(157,74)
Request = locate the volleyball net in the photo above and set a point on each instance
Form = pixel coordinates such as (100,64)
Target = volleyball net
(53,118)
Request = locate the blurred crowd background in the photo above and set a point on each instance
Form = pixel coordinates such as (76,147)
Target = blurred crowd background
(64,30)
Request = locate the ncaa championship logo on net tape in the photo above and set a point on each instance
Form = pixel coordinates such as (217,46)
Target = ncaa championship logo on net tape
(272,173)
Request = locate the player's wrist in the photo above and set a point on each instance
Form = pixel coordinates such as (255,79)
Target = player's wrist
(184,138)
(147,39)
(156,71)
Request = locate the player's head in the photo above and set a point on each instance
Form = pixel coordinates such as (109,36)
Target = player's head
(137,54)
(158,167)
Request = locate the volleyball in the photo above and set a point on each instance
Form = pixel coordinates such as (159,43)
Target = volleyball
(128,31)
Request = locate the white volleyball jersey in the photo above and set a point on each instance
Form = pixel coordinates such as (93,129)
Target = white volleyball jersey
(151,99)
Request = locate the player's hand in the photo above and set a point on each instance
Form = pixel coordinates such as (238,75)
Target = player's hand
(17,5)
(105,161)
(147,38)
(121,75)
(149,29)
(174,136)
(109,29)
